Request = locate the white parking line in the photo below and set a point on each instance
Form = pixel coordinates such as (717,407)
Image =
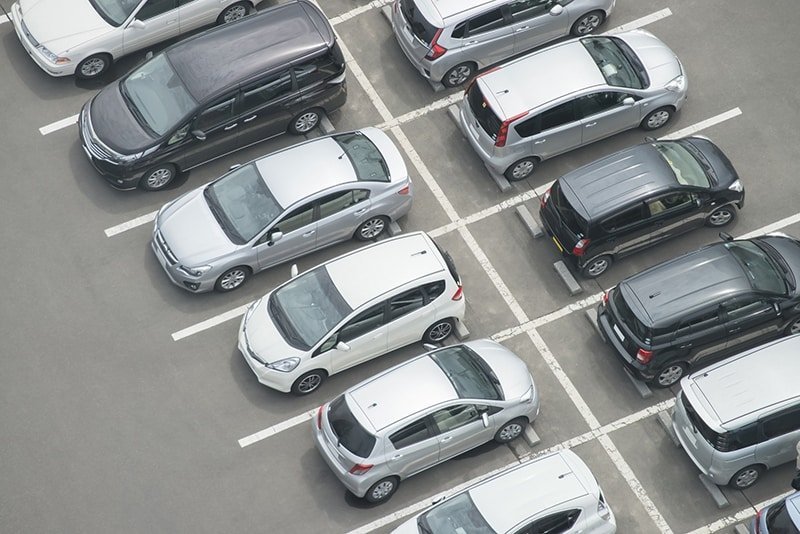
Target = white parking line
(741,515)
(58,125)
(275,429)
(417,113)
(702,125)
(638,23)
(3,19)
(375,4)
(133,223)
(774,227)
(209,323)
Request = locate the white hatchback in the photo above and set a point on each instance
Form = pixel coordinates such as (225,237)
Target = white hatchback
(84,37)
(352,309)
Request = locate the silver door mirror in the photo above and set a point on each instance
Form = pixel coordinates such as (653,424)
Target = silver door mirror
(628,101)
(139,25)
(293,271)
(485,419)
(649,139)
(236,166)
(276,236)
(725,236)
(200,135)
(557,10)
(342,346)
(429,346)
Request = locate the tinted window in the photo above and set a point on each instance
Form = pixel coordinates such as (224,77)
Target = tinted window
(558,116)
(296,219)
(525,9)
(434,289)
(485,22)
(413,433)
(364,156)
(760,270)
(566,212)
(594,103)
(667,203)
(554,524)
(351,435)
(458,31)
(737,439)
(420,27)
(614,61)
(484,114)
(529,127)
(114,11)
(779,521)
(699,323)
(317,70)
(454,516)
(273,88)
(406,303)
(454,417)
(742,308)
(626,218)
(470,375)
(216,115)
(155,7)
(780,424)
(362,323)
(337,202)
(628,318)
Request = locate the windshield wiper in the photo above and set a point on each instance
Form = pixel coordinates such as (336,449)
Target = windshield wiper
(219,215)
(136,112)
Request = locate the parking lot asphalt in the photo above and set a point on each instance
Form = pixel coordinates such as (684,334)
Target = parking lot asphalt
(122,408)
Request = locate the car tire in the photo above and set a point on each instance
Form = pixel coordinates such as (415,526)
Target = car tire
(372,228)
(93,66)
(438,331)
(309,382)
(597,266)
(382,490)
(746,477)
(305,121)
(587,23)
(793,327)
(657,118)
(511,430)
(233,278)
(670,374)
(459,74)
(234,12)
(158,177)
(521,169)
(721,216)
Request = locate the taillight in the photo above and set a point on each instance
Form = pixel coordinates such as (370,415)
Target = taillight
(644,356)
(436,51)
(396,6)
(319,417)
(360,469)
(405,190)
(459,293)
(545,197)
(605,298)
(580,247)
(502,133)
(758,521)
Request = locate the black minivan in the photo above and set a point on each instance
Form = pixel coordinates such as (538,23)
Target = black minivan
(692,310)
(219,91)
(638,197)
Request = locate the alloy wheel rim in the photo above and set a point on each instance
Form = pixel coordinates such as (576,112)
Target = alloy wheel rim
(382,490)
(235,13)
(309,383)
(658,119)
(522,169)
(159,178)
(511,432)
(93,67)
(670,375)
(233,279)
(747,478)
(721,217)
(306,122)
(795,328)
(588,24)
(459,75)
(598,267)
(372,228)
(440,331)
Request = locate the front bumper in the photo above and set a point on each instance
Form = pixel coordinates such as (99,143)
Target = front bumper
(124,178)
(272,379)
(606,332)
(176,276)
(50,68)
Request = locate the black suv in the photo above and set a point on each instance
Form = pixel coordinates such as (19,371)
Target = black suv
(638,197)
(689,311)
(214,93)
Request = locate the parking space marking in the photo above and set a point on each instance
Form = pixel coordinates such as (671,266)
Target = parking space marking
(58,125)
(774,227)
(3,19)
(210,323)
(741,515)
(133,223)
(712,121)
(276,429)
(375,4)
(417,113)
(638,23)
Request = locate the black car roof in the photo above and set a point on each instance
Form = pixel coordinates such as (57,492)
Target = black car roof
(230,54)
(604,186)
(679,287)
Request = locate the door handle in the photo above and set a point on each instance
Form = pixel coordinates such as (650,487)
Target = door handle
(173,21)
(397,456)
(471,43)
(248,119)
(446,438)
(377,336)
(734,330)
(231,126)
(359,212)
(685,346)
(591,124)
(522,29)
(309,234)
(539,142)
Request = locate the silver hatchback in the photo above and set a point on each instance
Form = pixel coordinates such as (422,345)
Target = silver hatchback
(449,40)
(282,206)
(423,412)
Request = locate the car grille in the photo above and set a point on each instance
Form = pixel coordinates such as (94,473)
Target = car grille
(164,248)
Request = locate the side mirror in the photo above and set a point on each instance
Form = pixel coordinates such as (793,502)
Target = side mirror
(293,271)
(556,10)
(628,101)
(438,499)
(342,346)
(485,419)
(274,237)
(236,166)
(777,308)
(649,139)
(200,135)
(139,25)
(725,236)
(429,346)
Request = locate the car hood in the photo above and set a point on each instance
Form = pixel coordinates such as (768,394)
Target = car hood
(511,371)
(661,63)
(114,124)
(62,24)
(263,336)
(723,168)
(192,232)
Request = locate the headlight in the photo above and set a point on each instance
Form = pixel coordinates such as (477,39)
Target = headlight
(195,271)
(736,186)
(285,365)
(52,57)
(677,85)
(527,396)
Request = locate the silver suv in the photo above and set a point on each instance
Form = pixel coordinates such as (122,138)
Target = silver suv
(569,95)
(449,40)
(423,412)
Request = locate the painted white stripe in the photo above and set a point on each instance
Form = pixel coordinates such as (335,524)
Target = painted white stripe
(375,4)
(702,125)
(58,125)
(210,323)
(417,113)
(741,515)
(3,19)
(774,227)
(644,21)
(133,223)
(276,429)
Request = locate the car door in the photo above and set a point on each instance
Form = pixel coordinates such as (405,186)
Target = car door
(299,236)
(533,25)
(701,335)
(564,522)
(409,315)
(266,108)
(781,433)
(416,447)
(628,230)
(552,131)
(672,214)
(365,334)
(214,133)
(460,428)
(605,113)
(340,214)
(160,21)
(749,319)
(487,37)
(314,83)
(193,14)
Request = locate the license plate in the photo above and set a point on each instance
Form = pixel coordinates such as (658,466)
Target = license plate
(619,333)
(560,248)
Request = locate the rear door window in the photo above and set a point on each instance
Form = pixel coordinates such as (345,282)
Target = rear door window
(782,423)
(627,218)
(411,434)
(349,432)
(406,303)
(316,70)
(558,116)
(363,322)
(273,88)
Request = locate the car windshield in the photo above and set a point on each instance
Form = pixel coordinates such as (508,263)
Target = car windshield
(307,308)
(779,521)
(351,435)
(242,203)
(364,156)
(471,376)
(687,168)
(761,270)
(454,516)
(157,96)
(617,62)
(115,12)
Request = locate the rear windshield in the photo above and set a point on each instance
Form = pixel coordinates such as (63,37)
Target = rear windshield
(471,376)
(349,433)
(619,65)
(778,520)
(626,316)
(697,423)
(483,112)
(566,212)
(448,260)
(364,156)
(420,27)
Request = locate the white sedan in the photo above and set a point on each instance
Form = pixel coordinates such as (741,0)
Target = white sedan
(84,37)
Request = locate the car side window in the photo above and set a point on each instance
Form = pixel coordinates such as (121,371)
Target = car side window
(553,524)
(699,323)
(459,30)
(362,323)
(216,115)
(406,303)
(595,103)
(410,434)
(340,201)
(558,116)
(454,417)
(295,219)
(184,2)
(153,8)
(179,135)
(526,9)
(316,70)
(744,307)
(677,201)
(781,423)
(491,20)
(434,289)
(627,218)
(265,91)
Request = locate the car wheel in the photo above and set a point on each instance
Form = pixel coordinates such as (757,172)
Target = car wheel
(746,477)
(234,12)
(521,169)
(670,374)
(588,23)
(721,216)
(597,266)
(438,331)
(511,430)
(304,122)
(158,177)
(93,66)
(458,75)
(232,279)
(372,228)
(382,490)
(656,118)
(793,328)
(309,382)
